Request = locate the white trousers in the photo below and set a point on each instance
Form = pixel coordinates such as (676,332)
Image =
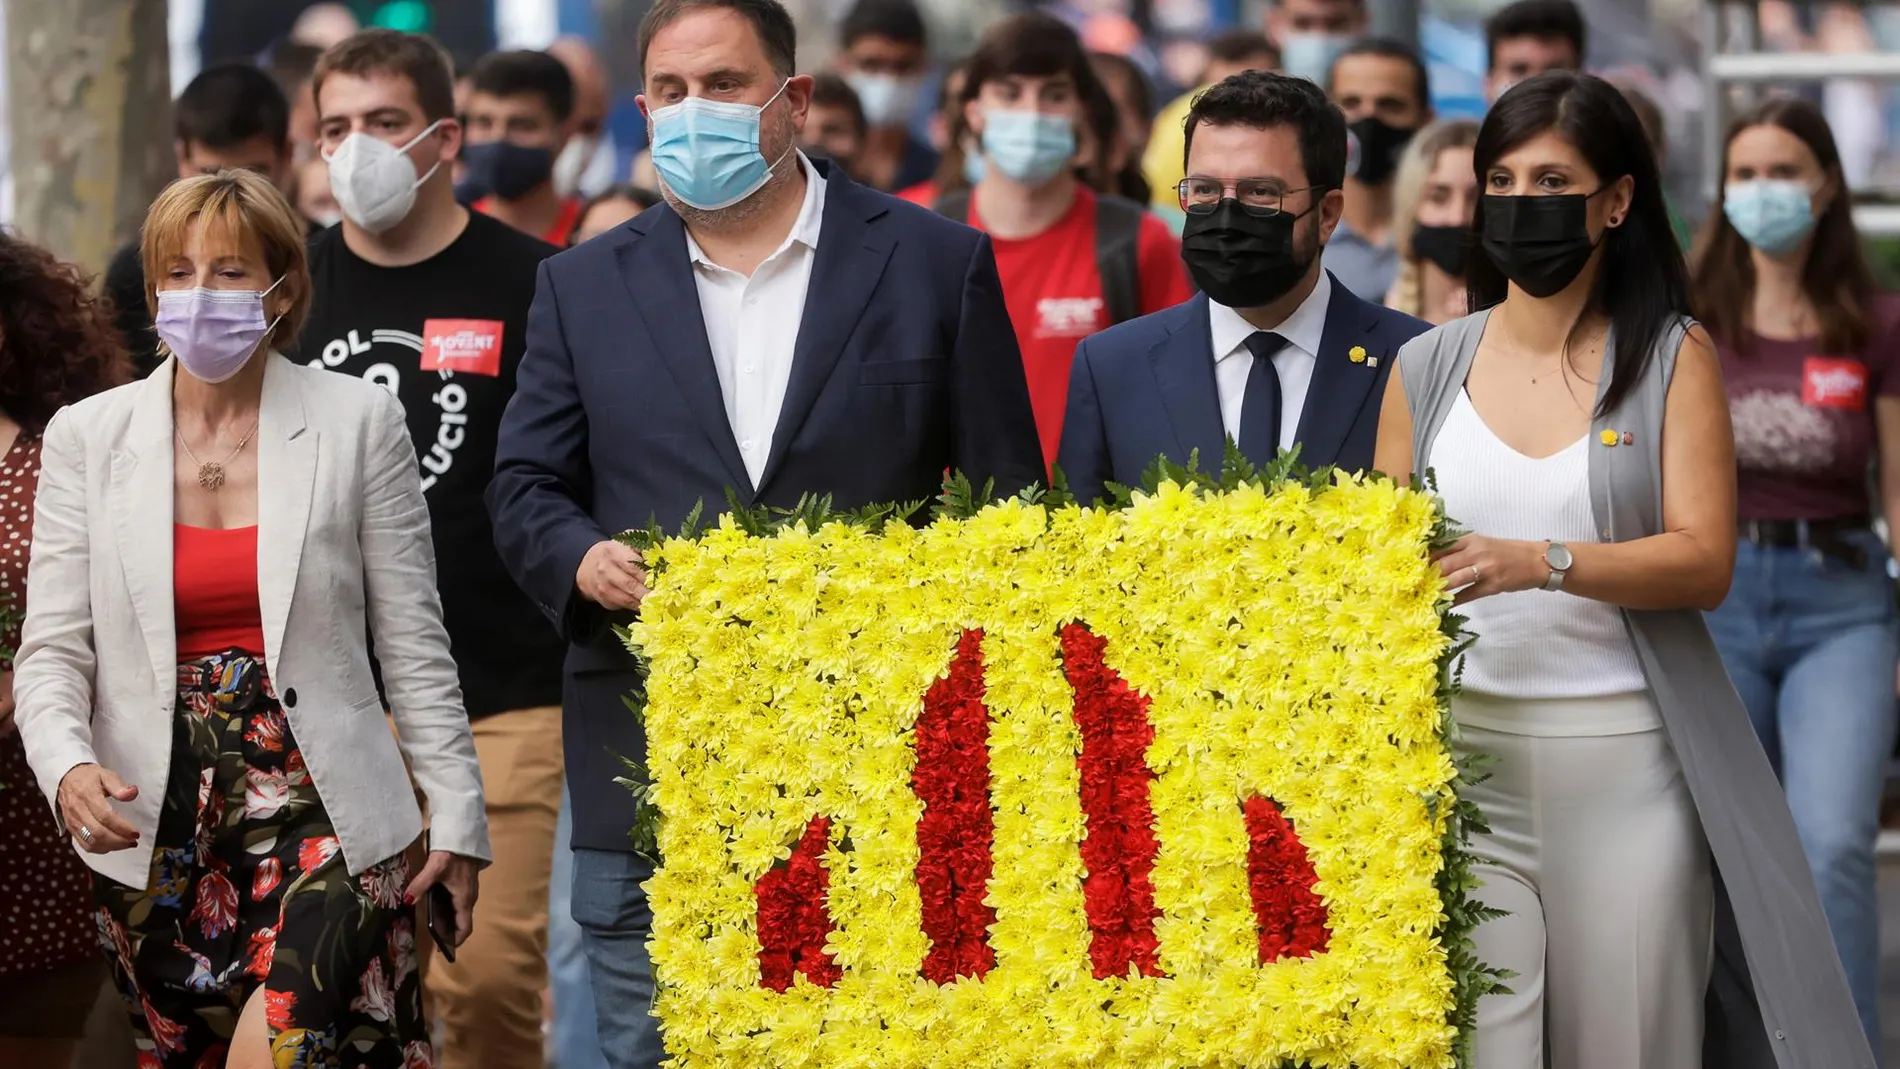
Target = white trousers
(1596,851)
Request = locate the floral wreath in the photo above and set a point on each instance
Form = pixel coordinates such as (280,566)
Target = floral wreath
(1160,782)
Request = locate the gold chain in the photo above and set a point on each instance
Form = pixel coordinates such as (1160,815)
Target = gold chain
(211,475)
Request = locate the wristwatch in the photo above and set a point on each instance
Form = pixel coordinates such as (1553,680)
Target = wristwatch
(1557,557)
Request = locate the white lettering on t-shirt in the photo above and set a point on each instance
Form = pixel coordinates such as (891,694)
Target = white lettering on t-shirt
(341,349)
(450,401)
(1068,317)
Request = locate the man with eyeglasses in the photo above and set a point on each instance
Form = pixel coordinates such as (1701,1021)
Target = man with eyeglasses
(1274,353)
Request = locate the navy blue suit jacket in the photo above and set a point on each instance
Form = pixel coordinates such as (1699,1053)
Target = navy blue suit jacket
(905,365)
(1145,389)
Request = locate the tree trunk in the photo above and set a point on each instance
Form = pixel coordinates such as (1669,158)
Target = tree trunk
(90,99)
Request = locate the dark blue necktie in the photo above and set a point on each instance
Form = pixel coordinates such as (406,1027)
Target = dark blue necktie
(1260,405)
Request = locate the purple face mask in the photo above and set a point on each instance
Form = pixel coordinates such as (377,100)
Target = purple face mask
(212,332)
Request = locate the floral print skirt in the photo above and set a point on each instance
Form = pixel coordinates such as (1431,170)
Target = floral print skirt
(249,889)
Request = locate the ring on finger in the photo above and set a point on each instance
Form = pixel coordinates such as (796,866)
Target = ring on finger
(1476,575)
(85,833)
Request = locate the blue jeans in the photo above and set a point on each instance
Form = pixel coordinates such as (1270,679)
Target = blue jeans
(611,908)
(1810,642)
(576,1035)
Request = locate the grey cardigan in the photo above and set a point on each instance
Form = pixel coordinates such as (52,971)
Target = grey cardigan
(1778,998)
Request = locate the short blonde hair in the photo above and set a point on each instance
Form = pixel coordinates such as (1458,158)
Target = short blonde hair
(240,209)
(1408,191)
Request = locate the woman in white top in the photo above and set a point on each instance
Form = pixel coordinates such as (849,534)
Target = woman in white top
(1595,848)
(193,682)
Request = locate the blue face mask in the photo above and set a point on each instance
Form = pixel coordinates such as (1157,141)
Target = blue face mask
(1772,215)
(973,164)
(887,99)
(1311,55)
(1028,146)
(707,151)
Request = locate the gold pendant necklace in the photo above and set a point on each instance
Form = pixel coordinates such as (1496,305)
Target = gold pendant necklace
(211,473)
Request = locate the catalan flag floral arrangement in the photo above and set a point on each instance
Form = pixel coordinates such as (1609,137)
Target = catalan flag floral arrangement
(1159,783)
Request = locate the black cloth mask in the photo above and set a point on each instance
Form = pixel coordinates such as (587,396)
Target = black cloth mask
(1539,243)
(507,170)
(1380,144)
(1243,260)
(1443,245)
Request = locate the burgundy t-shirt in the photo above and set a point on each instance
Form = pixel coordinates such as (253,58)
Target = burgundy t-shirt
(1804,420)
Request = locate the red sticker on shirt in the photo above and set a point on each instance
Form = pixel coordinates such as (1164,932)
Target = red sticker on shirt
(1830,382)
(470,346)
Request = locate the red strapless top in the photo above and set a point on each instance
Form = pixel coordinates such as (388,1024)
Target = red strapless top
(214,591)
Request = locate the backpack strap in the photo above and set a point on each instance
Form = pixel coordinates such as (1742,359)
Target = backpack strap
(1118,255)
(954,206)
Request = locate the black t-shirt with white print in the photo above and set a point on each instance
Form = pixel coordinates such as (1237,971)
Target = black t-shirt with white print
(446,335)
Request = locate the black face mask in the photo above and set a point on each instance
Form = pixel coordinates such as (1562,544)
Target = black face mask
(1443,245)
(1242,260)
(1540,243)
(507,170)
(1380,144)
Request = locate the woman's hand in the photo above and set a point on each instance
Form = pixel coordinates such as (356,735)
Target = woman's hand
(460,875)
(1484,566)
(86,795)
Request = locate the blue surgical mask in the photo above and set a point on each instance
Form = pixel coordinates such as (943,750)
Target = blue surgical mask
(1311,55)
(707,151)
(1773,215)
(973,165)
(1029,146)
(887,99)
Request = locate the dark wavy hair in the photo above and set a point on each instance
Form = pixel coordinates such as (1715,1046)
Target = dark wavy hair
(1835,279)
(57,343)
(1642,284)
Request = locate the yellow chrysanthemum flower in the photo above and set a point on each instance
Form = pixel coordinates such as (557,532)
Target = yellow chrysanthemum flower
(1288,643)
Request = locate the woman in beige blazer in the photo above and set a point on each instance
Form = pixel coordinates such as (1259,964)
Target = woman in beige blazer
(194,685)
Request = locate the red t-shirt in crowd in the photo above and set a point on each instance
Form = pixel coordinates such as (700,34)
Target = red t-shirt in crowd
(564,223)
(924,193)
(1054,294)
(1804,419)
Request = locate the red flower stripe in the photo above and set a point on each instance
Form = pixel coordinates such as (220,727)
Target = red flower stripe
(794,917)
(954,835)
(1280,878)
(1118,852)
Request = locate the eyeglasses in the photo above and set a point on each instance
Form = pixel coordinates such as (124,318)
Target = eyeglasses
(1257,196)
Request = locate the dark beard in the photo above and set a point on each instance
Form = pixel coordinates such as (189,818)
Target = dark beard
(736,217)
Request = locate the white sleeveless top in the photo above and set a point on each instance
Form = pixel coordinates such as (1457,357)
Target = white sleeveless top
(1535,643)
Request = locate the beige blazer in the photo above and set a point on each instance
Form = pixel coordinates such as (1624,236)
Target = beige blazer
(343,536)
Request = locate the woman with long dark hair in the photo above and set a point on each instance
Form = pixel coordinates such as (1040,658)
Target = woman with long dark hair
(57,346)
(1577,427)
(1811,355)
(1119,118)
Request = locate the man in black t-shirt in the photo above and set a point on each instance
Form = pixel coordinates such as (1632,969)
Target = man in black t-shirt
(229,116)
(416,293)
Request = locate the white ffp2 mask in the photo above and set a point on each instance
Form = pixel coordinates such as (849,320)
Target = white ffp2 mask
(374,182)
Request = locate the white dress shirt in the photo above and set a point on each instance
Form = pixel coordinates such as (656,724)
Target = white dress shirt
(1294,362)
(752,325)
